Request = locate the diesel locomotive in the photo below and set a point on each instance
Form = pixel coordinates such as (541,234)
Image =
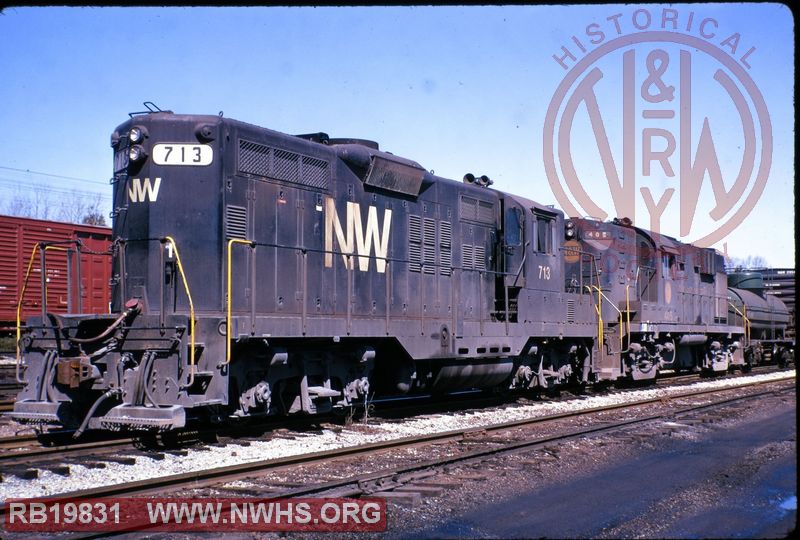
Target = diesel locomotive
(258,273)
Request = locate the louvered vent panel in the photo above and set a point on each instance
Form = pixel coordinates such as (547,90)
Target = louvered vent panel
(415,243)
(467,261)
(570,311)
(485,212)
(480,258)
(235,222)
(469,208)
(477,210)
(446,248)
(429,245)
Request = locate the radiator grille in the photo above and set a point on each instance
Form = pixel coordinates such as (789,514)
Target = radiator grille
(254,158)
(286,165)
(261,160)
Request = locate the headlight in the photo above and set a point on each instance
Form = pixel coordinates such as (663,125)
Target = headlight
(569,229)
(136,153)
(136,134)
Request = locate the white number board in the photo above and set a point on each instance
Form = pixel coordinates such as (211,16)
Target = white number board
(183,154)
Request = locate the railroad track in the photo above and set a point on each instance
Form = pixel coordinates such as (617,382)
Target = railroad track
(384,482)
(59,443)
(384,479)
(20,441)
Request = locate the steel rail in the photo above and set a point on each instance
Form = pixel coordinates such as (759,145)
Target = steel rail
(15,442)
(32,455)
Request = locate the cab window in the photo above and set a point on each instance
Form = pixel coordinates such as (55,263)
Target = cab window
(544,235)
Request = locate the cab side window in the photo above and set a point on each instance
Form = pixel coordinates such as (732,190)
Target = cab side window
(544,235)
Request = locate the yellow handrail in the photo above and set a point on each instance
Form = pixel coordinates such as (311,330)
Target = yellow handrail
(228,301)
(600,316)
(19,303)
(191,310)
(746,324)
(22,297)
(628,309)
(599,310)
(745,320)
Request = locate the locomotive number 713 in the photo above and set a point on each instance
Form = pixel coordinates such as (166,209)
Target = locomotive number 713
(183,154)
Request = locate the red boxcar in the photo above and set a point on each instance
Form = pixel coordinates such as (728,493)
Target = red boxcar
(18,236)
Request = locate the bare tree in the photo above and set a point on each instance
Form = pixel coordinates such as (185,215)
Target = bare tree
(41,205)
(28,204)
(750,262)
(73,207)
(16,205)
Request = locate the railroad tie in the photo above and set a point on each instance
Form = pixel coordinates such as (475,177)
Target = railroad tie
(61,470)
(23,473)
(404,498)
(122,460)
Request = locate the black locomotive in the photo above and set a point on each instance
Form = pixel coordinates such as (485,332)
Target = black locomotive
(260,273)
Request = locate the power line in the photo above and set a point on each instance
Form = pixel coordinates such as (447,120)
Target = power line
(29,187)
(54,175)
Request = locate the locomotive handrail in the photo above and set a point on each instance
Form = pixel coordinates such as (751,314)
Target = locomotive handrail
(745,320)
(228,300)
(191,309)
(19,304)
(36,247)
(170,240)
(599,310)
(628,307)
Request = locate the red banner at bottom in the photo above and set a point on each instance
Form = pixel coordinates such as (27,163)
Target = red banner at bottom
(195,515)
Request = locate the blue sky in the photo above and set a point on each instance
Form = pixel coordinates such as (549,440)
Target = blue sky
(458,89)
